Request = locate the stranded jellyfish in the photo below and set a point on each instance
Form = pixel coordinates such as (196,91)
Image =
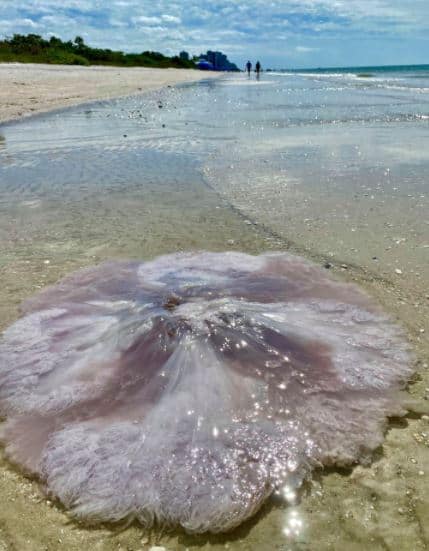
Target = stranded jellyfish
(186,390)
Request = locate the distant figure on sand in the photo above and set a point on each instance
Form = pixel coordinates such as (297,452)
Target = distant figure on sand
(258,69)
(248,67)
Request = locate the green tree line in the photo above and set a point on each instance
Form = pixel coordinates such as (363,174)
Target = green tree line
(33,48)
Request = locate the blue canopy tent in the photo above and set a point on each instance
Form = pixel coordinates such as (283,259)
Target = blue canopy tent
(205,65)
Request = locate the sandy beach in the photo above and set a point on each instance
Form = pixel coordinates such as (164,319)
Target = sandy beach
(27,89)
(257,173)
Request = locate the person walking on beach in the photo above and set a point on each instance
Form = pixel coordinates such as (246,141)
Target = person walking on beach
(248,68)
(258,69)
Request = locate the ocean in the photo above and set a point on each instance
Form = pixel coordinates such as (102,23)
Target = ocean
(396,75)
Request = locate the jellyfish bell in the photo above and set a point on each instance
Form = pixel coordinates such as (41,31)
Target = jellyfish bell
(186,390)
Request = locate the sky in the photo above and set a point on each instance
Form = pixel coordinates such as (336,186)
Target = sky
(280,33)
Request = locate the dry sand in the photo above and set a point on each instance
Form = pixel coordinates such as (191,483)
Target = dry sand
(27,89)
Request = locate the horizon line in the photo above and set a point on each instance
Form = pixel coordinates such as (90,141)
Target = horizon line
(343,67)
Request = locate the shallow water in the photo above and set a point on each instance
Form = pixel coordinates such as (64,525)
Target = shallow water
(334,168)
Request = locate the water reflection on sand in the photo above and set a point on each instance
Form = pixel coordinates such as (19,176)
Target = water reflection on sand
(335,171)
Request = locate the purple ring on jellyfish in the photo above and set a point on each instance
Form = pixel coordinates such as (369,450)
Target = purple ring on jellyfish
(186,390)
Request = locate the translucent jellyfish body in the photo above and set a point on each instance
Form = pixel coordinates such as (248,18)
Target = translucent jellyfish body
(187,389)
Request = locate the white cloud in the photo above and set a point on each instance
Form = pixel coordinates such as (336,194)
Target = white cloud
(147,20)
(24,24)
(276,29)
(171,19)
(305,49)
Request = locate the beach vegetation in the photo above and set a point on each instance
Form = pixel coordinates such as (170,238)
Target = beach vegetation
(33,48)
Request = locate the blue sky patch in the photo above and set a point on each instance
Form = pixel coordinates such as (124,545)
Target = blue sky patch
(282,33)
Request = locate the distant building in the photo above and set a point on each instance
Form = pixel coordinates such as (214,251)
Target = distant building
(219,61)
(184,55)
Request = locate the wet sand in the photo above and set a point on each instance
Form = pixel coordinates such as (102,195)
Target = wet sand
(233,199)
(27,89)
